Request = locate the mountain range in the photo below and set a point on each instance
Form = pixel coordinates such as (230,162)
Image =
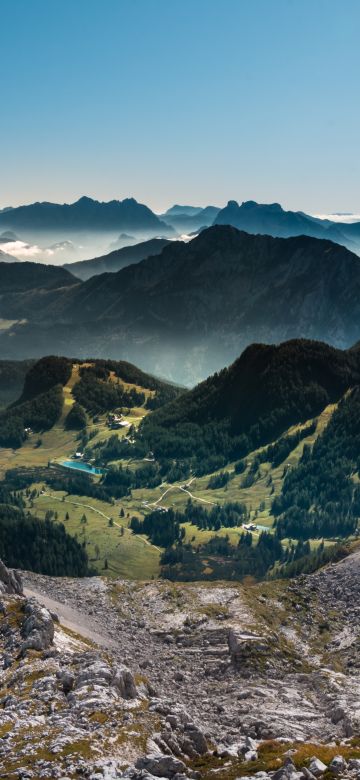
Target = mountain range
(187,311)
(89,229)
(84,214)
(271,219)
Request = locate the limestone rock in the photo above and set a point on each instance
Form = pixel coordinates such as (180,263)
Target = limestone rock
(38,627)
(10,580)
(161,766)
(317,767)
(338,765)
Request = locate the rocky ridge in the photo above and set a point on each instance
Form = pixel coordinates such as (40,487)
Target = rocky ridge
(198,680)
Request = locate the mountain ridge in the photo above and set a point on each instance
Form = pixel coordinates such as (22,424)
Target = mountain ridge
(197,305)
(117,259)
(272,219)
(84,214)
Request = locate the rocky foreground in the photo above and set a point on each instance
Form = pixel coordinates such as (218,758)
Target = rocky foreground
(108,680)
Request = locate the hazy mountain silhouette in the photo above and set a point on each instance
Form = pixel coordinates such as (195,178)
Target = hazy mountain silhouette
(187,219)
(85,214)
(118,259)
(271,219)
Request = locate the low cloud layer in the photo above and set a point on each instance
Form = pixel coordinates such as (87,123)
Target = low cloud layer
(26,251)
(339,217)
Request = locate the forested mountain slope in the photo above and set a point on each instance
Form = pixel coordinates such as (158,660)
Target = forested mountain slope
(193,308)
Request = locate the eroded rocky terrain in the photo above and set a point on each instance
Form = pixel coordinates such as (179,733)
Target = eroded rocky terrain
(121,679)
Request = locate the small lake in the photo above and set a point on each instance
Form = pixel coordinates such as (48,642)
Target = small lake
(79,465)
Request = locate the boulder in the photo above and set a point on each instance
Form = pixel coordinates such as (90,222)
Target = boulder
(307,774)
(95,672)
(317,767)
(338,765)
(124,682)
(354,763)
(66,680)
(161,765)
(99,673)
(37,628)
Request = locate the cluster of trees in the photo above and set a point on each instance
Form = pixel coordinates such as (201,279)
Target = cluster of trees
(134,376)
(229,515)
(276,453)
(39,413)
(45,374)
(75,484)
(41,546)
(210,446)
(224,560)
(162,396)
(79,484)
(311,561)
(164,527)
(113,448)
(99,394)
(219,480)
(76,419)
(319,497)
(118,481)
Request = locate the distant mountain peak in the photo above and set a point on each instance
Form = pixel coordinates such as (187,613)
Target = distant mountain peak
(85,214)
(84,201)
(273,220)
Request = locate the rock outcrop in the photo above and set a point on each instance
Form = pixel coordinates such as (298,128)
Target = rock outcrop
(10,580)
(37,628)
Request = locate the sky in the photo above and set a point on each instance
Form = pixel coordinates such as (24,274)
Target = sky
(181,101)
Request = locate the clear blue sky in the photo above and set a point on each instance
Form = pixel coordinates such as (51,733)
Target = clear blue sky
(195,101)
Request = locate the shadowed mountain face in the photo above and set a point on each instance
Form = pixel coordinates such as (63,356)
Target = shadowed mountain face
(273,220)
(270,386)
(25,277)
(116,260)
(190,310)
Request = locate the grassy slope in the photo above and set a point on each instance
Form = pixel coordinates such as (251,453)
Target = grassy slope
(253,496)
(132,557)
(59,443)
(128,556)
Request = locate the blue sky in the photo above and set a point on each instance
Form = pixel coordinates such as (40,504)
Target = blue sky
(194,101)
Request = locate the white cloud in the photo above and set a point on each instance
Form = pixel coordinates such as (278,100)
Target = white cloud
(348,218)
(25,251)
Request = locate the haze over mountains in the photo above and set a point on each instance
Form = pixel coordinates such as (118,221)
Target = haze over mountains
(88,224)
(271,219)
(186,312)
(186,219)
(117,259)
(64,233)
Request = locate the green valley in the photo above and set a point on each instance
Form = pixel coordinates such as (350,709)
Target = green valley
(140,502)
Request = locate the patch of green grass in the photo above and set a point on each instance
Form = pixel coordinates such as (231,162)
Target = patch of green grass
(271,756)
(128,556)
